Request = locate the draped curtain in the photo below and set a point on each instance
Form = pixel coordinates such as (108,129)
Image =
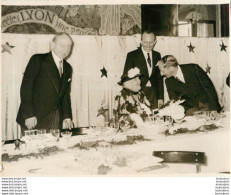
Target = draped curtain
(92,53)
(110,18)
(134,11)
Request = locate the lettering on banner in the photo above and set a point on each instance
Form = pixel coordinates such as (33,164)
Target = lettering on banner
(42,16)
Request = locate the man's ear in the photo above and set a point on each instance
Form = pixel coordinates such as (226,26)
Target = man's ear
(155,43)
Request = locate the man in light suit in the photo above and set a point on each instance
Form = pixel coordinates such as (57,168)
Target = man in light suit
(145,58)
(191,83)
(45,88)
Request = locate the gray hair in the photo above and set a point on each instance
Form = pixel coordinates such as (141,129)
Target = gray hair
(57,35)
(172,62)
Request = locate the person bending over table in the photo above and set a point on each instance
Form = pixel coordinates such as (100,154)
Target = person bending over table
(191,83)
(131,106)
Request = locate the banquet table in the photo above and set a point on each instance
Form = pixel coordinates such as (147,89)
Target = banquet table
(107,153)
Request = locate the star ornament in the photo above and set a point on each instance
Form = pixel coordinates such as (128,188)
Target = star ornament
(104,72)
(191,48)
(7,48)
(223,47)
(208,68)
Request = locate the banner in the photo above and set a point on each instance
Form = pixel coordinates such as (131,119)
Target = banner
(43,16)
(72,19)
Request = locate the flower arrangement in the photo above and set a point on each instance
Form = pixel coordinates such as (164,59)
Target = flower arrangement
(173,109)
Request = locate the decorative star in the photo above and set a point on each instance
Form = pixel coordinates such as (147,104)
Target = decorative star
(223,47)
(7,48)
(191,48)
(102,111)
(104,72)
(208,68)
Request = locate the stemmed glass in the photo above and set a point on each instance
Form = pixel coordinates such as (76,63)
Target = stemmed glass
(55,133)
(117,126)
(66,134)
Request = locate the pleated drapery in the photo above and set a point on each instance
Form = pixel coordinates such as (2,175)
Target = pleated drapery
(89,55)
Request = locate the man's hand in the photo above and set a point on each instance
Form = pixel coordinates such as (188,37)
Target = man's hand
(31,122)
(68,124)
(160,103)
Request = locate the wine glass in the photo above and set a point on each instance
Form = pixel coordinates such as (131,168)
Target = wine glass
(117,126)
(214,115)
(55,133)
(106,125)
(125,125)
(66,134)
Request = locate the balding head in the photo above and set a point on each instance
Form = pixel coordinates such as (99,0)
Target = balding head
(170,60)
(168,65)
(61,45)
(60,34)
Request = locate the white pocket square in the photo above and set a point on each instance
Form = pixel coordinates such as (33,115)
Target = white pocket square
(69,80)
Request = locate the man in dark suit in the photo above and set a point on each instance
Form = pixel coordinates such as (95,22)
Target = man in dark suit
(145,58)
(191,83)
(45,89)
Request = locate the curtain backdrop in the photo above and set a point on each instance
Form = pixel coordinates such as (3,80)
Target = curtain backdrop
(89,55)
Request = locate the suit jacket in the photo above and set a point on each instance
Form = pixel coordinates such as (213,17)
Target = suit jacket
(136,59)
(43,92)
(198,88)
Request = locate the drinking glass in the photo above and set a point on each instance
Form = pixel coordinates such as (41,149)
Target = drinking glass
(214,115)
(116,125)
(55,133)
(66,135)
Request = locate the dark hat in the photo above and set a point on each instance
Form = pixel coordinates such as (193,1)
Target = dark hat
(131,74)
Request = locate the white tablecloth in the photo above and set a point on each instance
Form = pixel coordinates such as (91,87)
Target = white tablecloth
(124,160)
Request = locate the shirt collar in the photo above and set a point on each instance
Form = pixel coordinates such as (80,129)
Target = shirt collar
(56,58)
(179,74)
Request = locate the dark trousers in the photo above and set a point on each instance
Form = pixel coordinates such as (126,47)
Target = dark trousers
(151,96)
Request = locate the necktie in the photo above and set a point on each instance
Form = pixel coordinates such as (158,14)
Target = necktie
(149,60)
(60,68)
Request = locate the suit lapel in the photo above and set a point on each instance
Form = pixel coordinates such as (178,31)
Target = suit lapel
(154,62)
(52,71)
(65,77)
(142,62)
(154,59)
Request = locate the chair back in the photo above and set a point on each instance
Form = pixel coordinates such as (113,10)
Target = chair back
(182,157)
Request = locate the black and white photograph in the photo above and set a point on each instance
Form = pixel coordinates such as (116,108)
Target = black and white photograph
(115,89)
